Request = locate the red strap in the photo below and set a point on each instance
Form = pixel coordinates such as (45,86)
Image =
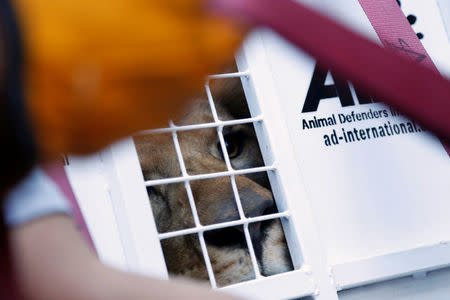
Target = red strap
(416,89)
(57,173)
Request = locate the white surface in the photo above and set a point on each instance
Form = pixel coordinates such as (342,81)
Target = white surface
(444,6)
(410,262)
(369,198)
(435,286)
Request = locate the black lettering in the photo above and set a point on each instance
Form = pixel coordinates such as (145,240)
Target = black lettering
(375,132)
(334,138)
(356,133)
(376,114)
(396,129)
(390,127)
(362,134)
(368,132)
(410,127)
(305,124)
(403,128)
(351,138)
(345,136)
(322,122)
(382,133)
(387,129)
(318,91)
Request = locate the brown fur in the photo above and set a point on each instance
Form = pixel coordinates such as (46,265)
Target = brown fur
(214,197)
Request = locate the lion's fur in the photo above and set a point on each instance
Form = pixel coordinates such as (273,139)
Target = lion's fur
(213,197)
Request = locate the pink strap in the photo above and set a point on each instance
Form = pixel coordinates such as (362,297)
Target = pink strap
(394,30)
(417,89)
(396,33)
(57,173)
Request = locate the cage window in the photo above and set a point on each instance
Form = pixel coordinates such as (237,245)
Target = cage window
(215,204)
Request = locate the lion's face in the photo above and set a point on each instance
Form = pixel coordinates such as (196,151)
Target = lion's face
(214,200)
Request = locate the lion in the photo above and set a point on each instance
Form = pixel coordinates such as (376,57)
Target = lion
(214,198)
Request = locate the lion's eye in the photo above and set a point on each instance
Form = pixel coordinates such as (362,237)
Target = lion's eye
(232,148)
(233,144)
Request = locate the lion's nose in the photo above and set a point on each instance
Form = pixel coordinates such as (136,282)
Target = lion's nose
(256,203)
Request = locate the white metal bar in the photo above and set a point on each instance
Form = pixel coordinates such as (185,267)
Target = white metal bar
(202,126)
(211,103)
(392,265)
(207,176)
(185,174)
(232,178)
(203,228)
(229,75)
(193,209)
(246,232)
(187,186)
(178,150)
(251,251)
(209,269)
(224,148)
(237,198)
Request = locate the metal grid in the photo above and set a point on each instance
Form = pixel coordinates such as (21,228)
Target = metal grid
(230,172)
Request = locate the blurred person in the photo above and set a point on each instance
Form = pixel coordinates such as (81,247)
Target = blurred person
(75,76)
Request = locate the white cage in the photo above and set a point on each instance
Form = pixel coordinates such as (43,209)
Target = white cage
(111,190)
